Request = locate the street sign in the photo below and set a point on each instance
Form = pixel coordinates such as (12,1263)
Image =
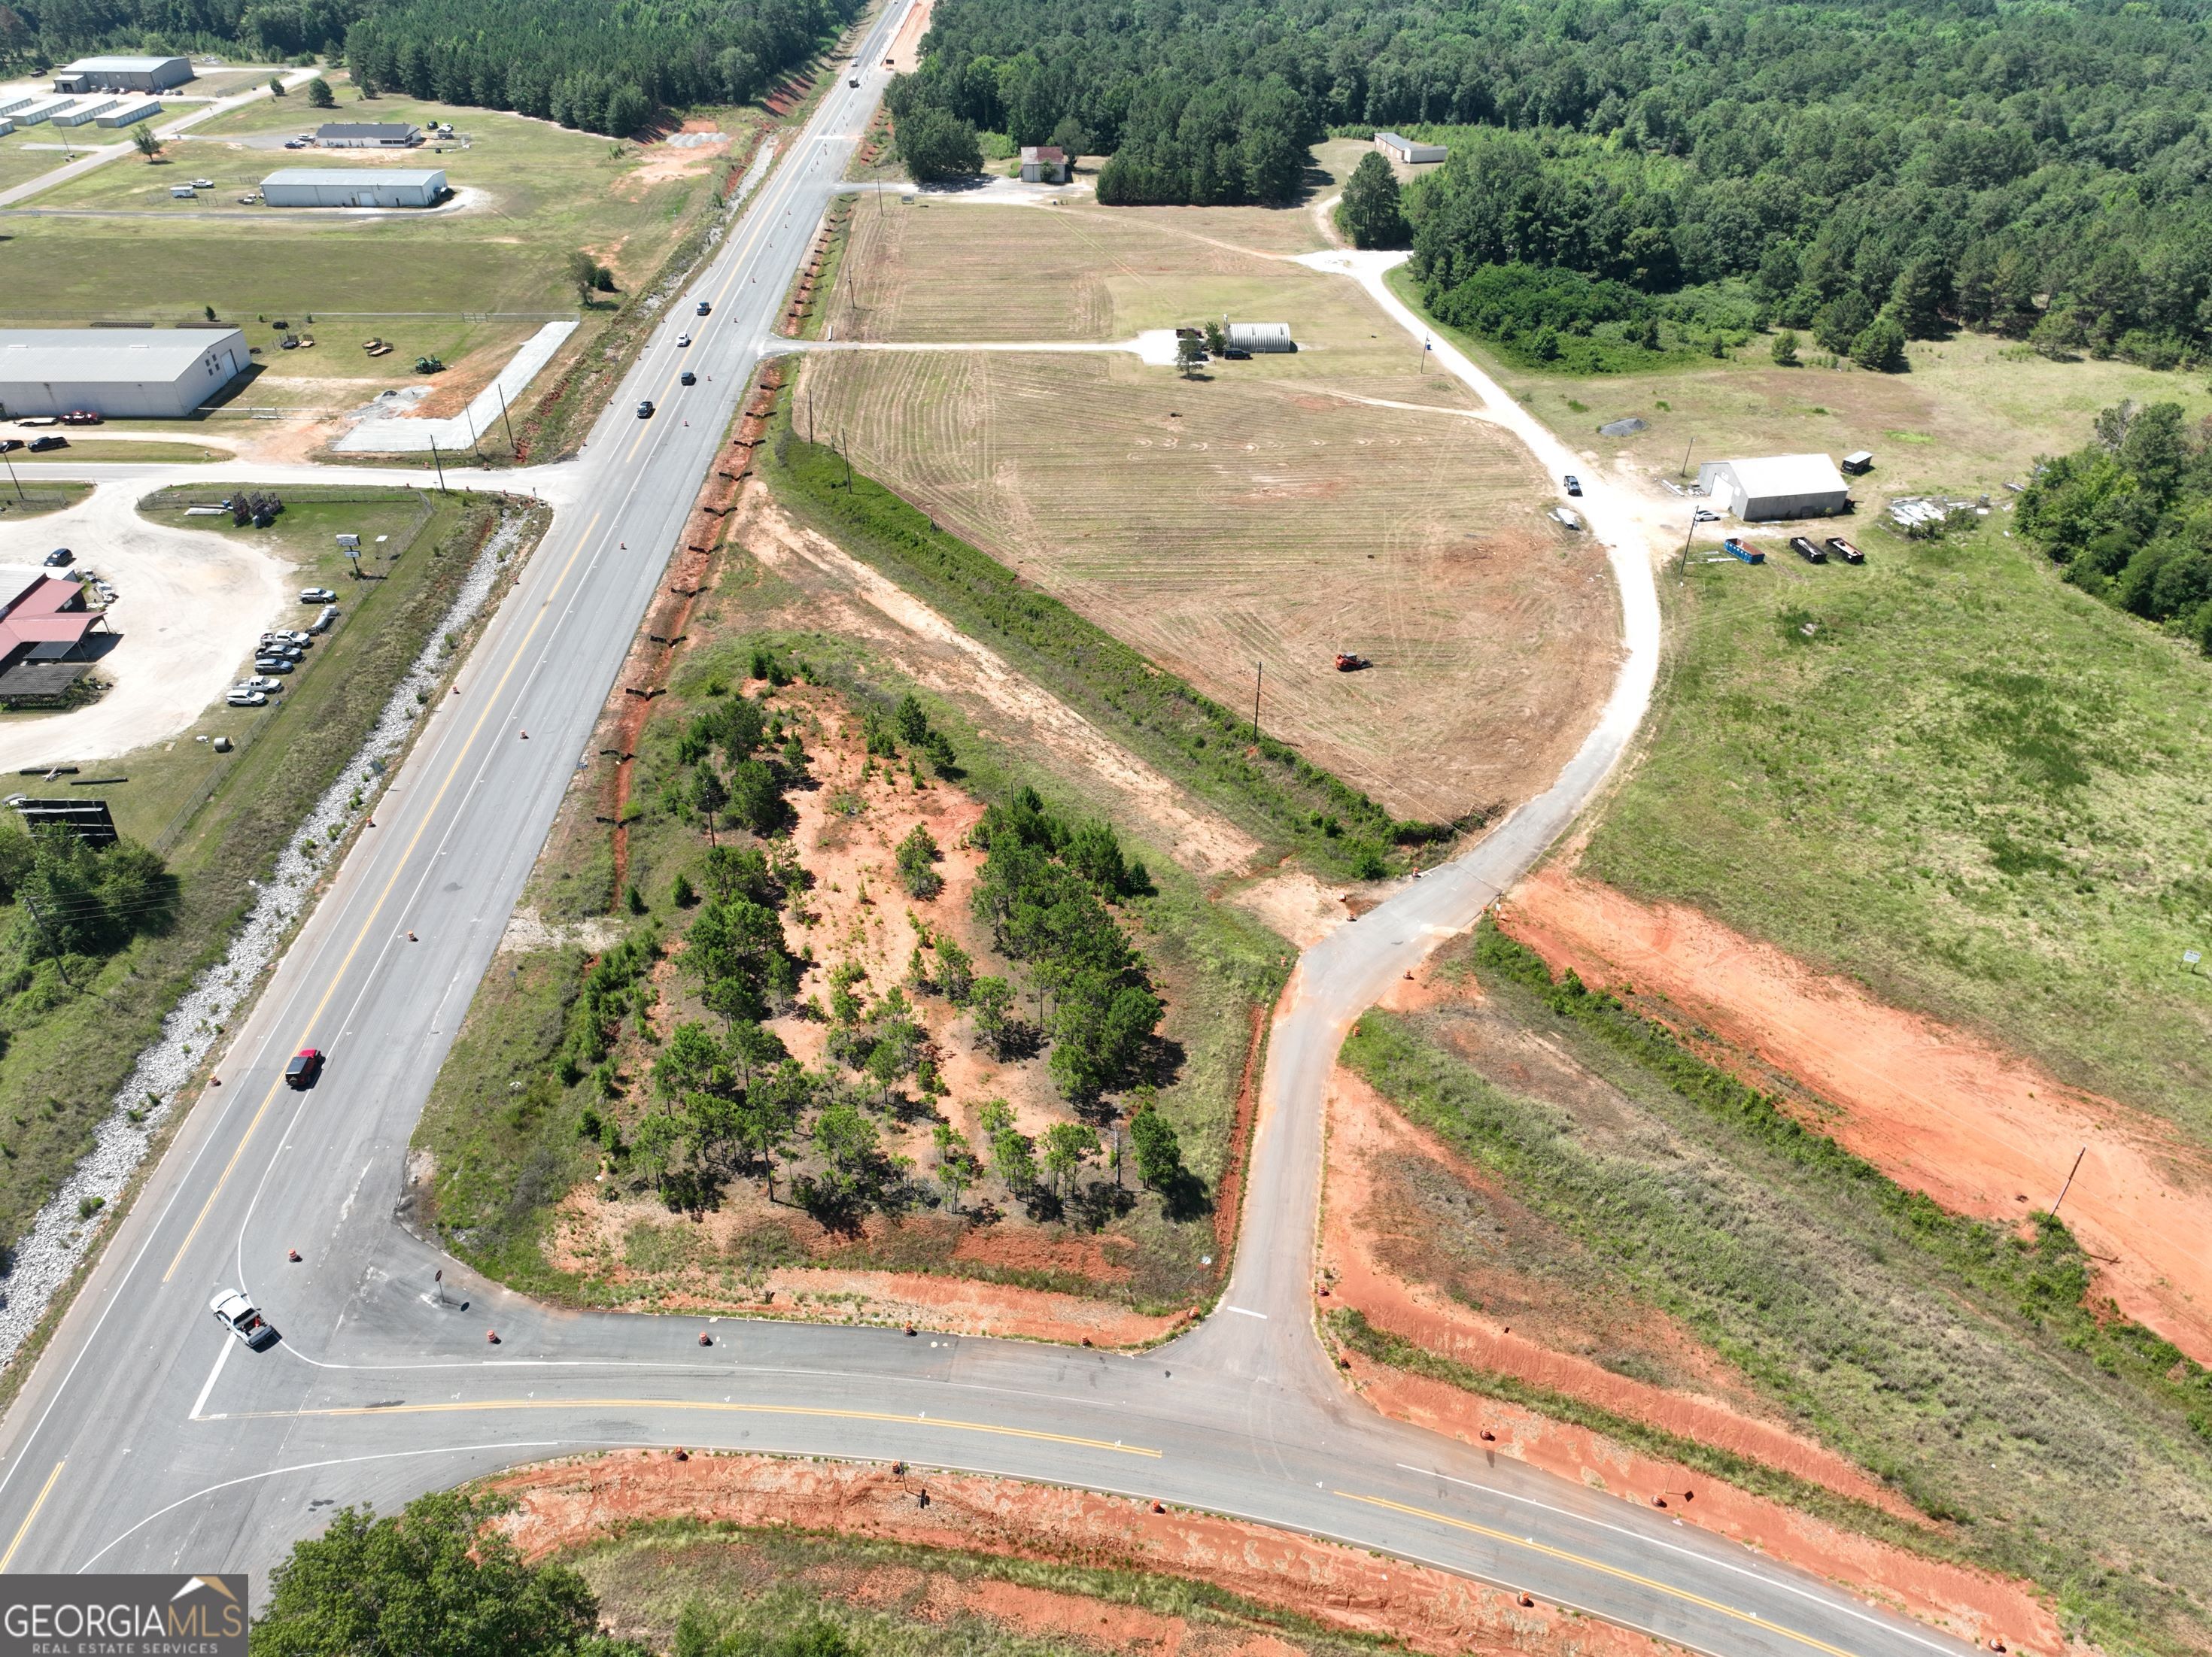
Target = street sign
(2191,957)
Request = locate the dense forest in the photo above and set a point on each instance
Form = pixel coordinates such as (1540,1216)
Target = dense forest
(603,67)
(2130,516)
(2041,171)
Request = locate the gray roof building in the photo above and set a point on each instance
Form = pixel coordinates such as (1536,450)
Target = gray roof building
(124,74)
(150,374)
(368,135)
(1406,149)
(1774,487)
(354,186)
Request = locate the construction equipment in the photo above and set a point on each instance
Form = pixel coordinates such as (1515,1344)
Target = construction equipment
(1736,548)
(429,364)
(1347,662)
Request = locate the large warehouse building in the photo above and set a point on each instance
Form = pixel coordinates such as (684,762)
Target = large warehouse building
(1776,486)
(354,186)
(123,75)
(124,374)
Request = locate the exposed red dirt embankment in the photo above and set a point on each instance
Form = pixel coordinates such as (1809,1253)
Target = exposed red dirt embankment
(1363,1127)
(566,1504)
(1937,1109)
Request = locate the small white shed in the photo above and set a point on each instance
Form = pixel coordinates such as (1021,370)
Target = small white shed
(1256,337)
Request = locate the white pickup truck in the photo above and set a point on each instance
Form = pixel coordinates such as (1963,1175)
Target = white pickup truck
(239,1314)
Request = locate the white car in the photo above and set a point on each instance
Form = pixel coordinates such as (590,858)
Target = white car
(238,1314)
(683,339)
(261,682)
(203,183)
(317,595)
(246,696)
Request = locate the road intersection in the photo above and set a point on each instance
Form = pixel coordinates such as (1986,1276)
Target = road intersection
(146,1439)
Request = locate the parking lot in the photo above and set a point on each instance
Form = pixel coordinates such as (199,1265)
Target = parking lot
(190,606)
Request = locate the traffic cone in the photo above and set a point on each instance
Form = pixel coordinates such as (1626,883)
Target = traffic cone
(293,1255)
(491,1336)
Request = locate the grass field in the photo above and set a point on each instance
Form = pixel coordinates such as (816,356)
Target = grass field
(756,1588)
(434,285)
(39,496)
(1975,411)
(20,163)
(1957,1363)
(1973,788)
(220,821)
(1263,515)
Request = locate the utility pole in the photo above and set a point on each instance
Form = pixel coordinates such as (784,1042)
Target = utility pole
(1259,677)
(1688,536)
(503,420)
(2068,1186)
(16,481)
(438,460)
(61,961)
(1686,447)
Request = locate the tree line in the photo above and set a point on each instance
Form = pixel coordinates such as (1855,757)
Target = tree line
(2129,516)
(604,69)
(2044,172)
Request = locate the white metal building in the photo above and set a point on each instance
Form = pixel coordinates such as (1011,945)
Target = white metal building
(1261,337)
(354,186)
(123,75)
(1405,149)
(83,111)
(151,374)
(129,112)
(1776,486)
(368,135)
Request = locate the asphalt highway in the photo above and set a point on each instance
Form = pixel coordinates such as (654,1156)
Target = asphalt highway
(147,1439)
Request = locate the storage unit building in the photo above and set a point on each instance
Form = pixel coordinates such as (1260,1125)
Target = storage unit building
(83,113)
(123,75)
(1776,486)
(354,186)
(129,112)
(1261,337)
(368,135)
(38,109)
(149,374)
(1405,149)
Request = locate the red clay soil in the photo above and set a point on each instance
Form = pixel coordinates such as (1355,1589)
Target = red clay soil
(1359,1124)
(1966,1603)
(566,1504)
(1938,1110)
(1229,1198)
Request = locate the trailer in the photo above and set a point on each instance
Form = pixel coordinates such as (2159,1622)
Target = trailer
(1805,548)
(1844,550)
(1736,548)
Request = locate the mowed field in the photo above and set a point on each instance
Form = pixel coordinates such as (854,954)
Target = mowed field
(466,285)
(1265,515)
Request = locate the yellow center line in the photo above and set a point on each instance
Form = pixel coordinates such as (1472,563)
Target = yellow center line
(1600,1566)
(24,1529)
(478,1405)
(382,897)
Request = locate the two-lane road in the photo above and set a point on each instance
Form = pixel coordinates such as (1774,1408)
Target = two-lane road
(146,1439)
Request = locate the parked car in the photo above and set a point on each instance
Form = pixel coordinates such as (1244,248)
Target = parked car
(296,144)
(1574,484)
(317,595)
(242,1318)
(60,558)
(645,409)
(1804,549)
(1704,515)
(687,378)
(237,698)
(294,634)
(306,1064)
(81,417)
(203,183)
(9,445)
(261,682)
(1844,550)
(41,444)
(271,665)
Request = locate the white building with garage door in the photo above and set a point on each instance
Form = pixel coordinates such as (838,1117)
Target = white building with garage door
(1779,486)
(354,186)
(124,374)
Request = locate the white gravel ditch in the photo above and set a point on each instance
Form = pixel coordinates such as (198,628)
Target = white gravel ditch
(59,1236)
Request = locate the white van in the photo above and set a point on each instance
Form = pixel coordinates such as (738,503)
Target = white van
(182,192)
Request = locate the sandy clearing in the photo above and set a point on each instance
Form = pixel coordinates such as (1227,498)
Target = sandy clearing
(1362,1126)
(1201,841)
(188,605)
(1294,904)
(1938,1109)
(1966,1603)
(565,1504)
(905,54)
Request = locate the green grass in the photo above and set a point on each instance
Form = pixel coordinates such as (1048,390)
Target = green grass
(766,1580)
(220,820)
(1943,1355)
(1202,745)
(1976,790)
(120,450)
(40,497)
